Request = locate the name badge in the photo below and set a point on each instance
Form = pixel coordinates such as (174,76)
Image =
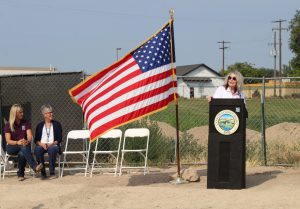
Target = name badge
(23,128)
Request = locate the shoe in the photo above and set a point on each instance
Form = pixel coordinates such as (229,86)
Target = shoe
(43,177)
(21,178)
(39,167)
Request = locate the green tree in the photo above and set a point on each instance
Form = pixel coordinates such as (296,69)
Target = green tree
(294,44)
(247,70)
(244,68)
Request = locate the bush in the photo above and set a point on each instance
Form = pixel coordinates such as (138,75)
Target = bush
(191,150)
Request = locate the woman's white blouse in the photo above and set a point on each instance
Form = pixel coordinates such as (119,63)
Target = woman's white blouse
(222,93)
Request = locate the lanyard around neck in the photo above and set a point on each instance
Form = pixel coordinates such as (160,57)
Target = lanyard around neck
(48,130)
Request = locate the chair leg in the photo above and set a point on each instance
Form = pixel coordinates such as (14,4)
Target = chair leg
(93,164)
(87,159)
(59,171)
(116,168)
(63,165)
(146,164)
(4,166)
(120,173)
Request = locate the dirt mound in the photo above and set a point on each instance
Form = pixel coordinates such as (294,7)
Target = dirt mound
(167,129)
(283,132)
(252,135)
(200,133)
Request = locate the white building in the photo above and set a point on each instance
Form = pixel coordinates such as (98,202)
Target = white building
(26,70)
(197,81)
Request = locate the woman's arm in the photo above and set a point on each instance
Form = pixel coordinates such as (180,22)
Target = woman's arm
(29,136)
(9,140)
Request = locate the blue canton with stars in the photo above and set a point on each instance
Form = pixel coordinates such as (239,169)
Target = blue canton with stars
(156,52)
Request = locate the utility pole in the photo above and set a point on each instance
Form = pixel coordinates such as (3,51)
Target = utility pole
(275,55)
(223,47)
(280,43)
(280,50)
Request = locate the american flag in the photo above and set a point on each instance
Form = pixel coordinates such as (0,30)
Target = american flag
(141,83)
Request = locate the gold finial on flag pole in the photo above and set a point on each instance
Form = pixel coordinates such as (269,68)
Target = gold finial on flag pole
(171,12)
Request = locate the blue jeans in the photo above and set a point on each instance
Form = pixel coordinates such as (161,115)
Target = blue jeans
(52,153)
(24,155)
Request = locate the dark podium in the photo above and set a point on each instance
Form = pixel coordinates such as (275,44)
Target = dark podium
(226,144)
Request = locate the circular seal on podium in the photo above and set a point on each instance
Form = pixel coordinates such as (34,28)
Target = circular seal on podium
(226,122)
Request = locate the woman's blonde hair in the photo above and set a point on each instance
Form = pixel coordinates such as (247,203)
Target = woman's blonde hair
(13,114)
(239,80)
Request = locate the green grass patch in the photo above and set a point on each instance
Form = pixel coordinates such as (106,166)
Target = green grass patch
(194,112)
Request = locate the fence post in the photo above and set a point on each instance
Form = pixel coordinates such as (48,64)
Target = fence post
(280,87)
(263,131)
(274,87)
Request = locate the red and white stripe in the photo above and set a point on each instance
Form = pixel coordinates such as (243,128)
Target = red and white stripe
(122,93)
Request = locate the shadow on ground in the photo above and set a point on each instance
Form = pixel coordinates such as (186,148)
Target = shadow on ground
(151,178)
(258,178)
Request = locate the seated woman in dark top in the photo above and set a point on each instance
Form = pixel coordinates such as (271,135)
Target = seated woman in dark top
(48,136)
(18,137)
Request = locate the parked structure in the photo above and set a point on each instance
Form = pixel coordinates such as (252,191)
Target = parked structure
(197,81)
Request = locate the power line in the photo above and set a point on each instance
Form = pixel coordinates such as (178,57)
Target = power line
(279,42)
(223,47)
(280,50)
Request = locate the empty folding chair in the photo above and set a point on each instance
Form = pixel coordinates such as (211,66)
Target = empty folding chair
(77,137)
(142,133)
(107,144)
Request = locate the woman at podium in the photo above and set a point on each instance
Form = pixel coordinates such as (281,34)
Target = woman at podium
(231,88)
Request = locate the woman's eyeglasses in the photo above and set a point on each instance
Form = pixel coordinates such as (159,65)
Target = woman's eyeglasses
(231,78)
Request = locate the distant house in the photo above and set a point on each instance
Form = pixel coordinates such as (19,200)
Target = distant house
(26,70)
(197,81)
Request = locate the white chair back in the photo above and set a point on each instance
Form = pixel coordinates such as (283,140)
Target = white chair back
(79,134)
(114,133)
(136,132)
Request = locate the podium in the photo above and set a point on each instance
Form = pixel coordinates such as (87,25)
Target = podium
(226,144)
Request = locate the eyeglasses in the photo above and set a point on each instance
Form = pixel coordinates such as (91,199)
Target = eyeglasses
(48,112)
(231,78)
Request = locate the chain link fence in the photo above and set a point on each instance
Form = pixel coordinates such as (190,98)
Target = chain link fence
(32,91)
(273,125)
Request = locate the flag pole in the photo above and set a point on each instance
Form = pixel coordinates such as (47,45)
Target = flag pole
(178,180)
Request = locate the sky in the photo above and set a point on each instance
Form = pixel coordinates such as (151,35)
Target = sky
(75,35)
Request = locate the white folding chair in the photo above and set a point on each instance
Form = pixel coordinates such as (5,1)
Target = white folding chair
(77,136)
(2,155)
(134,133)
(108,138)
(6,162)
